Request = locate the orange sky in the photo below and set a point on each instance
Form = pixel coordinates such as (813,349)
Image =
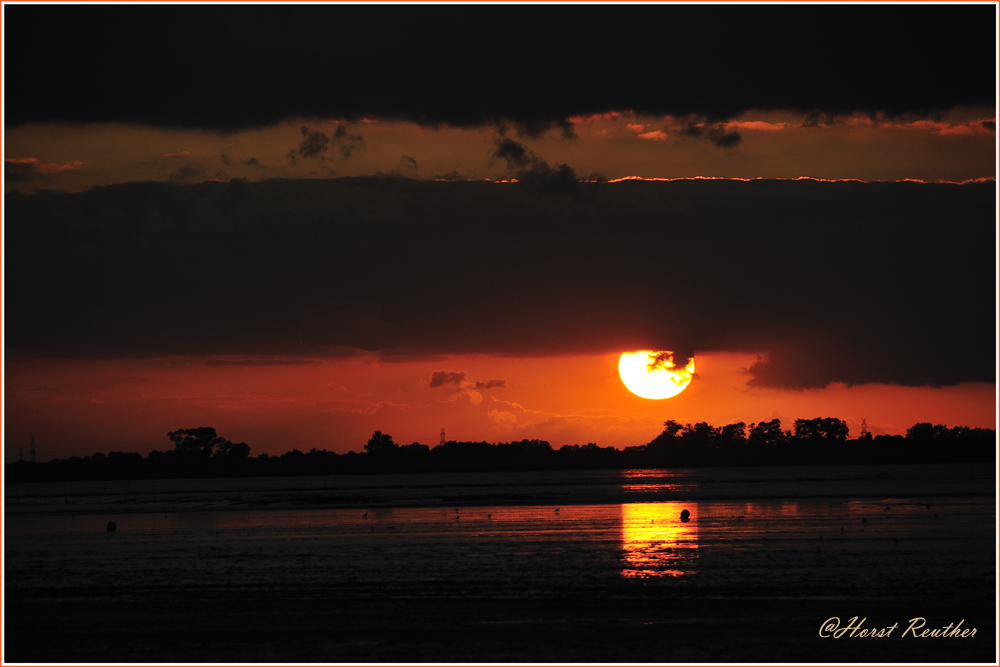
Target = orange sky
(954,146)
(77,407)
(82,406)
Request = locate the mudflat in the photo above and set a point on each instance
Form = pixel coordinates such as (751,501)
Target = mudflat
(748,577)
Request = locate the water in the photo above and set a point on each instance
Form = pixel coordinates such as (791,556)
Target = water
(503,488)
(583,566)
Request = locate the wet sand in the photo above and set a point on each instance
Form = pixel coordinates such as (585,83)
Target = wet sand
(744,580)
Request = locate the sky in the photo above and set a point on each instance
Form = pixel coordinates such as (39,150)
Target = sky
(300,224)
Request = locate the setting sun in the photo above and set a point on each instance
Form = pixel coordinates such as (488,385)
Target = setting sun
(653,374)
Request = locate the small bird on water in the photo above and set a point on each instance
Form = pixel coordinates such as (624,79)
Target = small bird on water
(685,516)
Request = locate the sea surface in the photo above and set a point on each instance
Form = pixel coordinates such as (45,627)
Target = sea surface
(592,566)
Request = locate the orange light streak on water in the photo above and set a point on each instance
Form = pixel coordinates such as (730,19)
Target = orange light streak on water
(656,542)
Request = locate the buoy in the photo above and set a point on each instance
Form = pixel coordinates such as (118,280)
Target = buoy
(112,526)
(685,516)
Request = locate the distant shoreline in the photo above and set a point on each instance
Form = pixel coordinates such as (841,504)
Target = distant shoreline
(467,457)
(902,488)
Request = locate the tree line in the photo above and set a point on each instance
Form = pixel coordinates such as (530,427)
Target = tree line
(201,452)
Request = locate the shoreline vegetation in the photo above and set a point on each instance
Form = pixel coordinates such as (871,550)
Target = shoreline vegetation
(201,453)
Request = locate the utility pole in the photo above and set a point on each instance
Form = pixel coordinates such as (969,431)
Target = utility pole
(443,440)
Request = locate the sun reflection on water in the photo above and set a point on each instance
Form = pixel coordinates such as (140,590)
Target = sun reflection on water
(656,543)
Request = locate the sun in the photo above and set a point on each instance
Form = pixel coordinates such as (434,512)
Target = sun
(653,374)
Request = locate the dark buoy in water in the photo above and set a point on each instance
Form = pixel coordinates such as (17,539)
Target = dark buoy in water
(685,516)
(112,526)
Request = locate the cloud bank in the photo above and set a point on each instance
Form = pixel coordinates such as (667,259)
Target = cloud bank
(828,282)
(249,66)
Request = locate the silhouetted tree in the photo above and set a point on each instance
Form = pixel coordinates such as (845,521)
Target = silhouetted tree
(380,442)
(829,428)
(204,443)
(232,451)
(766,433)
(700,435)
(926,431)
(668,439)
(194,441)
(672,428)
(733,434)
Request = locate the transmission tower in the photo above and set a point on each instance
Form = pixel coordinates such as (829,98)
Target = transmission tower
(864,428)
(31,450)
(443,440)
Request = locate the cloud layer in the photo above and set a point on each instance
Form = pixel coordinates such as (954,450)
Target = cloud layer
(849,282)
(229,67)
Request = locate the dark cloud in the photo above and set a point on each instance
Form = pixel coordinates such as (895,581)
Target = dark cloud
(990,125)
(543,179)
(724,139)
(441,378)
(462,381)
(491,384)
(253,162)
(348,143)
(715,133)
(314,144)
(535,173)
(515,154)
(850,282)
(575,60)
(670,359)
